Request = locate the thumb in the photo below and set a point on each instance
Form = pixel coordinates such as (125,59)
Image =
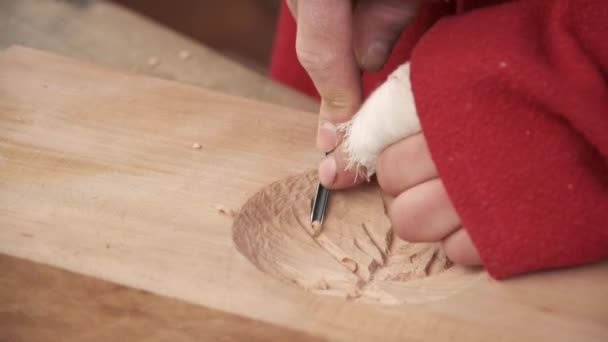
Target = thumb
(387,116)
(336,173)
(377,24)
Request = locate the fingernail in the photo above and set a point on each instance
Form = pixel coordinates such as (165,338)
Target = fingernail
(375,55)
(327,138)
(327,171)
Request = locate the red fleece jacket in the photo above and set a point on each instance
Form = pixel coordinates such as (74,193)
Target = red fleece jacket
(513,101)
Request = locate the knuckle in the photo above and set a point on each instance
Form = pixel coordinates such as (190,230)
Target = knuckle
(337,105)
(315,60)
(339,97)
(338,100)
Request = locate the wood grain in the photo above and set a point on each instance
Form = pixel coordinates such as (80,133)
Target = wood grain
(98,176)
(240,29)
(105,33)
(354,256)
(57,305)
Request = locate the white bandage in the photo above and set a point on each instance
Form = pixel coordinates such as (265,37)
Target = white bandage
(387,116)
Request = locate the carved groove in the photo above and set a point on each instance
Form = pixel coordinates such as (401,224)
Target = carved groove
(355,256)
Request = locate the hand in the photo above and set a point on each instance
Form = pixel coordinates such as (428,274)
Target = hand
(336,40)
(385,138)
(419,207)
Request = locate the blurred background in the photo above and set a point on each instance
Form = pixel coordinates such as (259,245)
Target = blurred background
(220,45)
(241,30)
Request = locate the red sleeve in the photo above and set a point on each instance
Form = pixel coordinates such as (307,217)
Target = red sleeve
(513,101)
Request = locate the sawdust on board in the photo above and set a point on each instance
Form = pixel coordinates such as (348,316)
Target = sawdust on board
(223,210)
(357,235)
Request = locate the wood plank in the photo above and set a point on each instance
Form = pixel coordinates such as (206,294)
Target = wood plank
(98,177)
(105,33)
(242,30)
(57,305)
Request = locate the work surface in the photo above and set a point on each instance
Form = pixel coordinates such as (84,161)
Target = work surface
(105,33)
(98,176)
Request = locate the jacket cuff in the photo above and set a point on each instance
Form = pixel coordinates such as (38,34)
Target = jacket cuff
(531,189)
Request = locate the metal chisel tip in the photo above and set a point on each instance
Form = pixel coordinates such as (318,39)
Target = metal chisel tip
(318,208)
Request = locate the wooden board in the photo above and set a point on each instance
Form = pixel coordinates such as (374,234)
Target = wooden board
(43,303)
(98,177)
(106,33)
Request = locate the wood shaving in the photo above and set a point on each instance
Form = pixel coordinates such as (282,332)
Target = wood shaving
(354,293)
(355,250)
(350,264)
(153,61)
(370,249)
(184,54)
(225,211)
(196,146)
(387,240)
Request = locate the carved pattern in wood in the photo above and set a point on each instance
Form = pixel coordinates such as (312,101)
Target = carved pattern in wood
(354,257)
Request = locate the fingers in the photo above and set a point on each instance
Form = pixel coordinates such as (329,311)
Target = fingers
(324,48)
(404,165)
(460,249)
(423,213)
(377,25)
(333,173)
